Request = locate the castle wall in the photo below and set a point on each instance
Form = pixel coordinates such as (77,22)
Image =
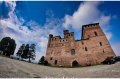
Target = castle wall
(92,49)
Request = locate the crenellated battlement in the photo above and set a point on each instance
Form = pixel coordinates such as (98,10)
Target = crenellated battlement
(67,35)
(90,25)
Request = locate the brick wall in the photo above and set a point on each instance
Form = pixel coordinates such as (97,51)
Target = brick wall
(92,49)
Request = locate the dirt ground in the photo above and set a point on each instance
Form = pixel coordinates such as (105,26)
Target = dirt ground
(11,68)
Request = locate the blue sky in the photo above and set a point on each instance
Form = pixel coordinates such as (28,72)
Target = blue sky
(32,22)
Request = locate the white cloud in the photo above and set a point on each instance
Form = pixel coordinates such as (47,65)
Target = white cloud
(86,13)
(13,27)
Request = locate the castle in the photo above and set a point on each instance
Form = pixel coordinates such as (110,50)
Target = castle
(92,49)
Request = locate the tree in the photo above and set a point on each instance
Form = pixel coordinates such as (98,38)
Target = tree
(7,45)
(42,60)
(4,44)
(31,53)
(45,62)
(20,51)
(25,52)
(11,47)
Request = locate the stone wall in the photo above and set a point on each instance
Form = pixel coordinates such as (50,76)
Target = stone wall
(92,49)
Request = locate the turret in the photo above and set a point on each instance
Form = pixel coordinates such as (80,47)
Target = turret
(66,32)
(49,39)
(91,30)
(50,35)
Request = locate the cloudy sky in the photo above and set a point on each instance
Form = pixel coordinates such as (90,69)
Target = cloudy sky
(32,22)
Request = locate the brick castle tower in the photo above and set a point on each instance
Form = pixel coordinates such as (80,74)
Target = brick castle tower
(93,48)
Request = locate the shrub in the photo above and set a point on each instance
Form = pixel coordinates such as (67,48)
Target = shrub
(45,62)
(109,60)
(117,58)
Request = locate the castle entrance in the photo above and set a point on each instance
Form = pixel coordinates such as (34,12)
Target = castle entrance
(75,63)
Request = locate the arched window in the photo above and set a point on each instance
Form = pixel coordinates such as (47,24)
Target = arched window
(100,43)
(95,33)
(72,51)
(86,49)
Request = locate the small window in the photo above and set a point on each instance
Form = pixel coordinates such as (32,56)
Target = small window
(95,33)
(86,49)
(103,51)
(82,43)
(72,51)
(50,58)
(55,61)
(100,43)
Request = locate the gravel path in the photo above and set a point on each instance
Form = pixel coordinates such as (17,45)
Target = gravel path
(10,68)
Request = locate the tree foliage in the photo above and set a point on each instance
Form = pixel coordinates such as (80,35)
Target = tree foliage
(27,52)
(31,53)
(43,61)
(20,50)
(7,45)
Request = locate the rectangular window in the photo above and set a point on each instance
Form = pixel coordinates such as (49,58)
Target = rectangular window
(72,51)
(95,33)
(82,43)
(100,43)
(50,58)
(103,51)
(55,62)
(86,49)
